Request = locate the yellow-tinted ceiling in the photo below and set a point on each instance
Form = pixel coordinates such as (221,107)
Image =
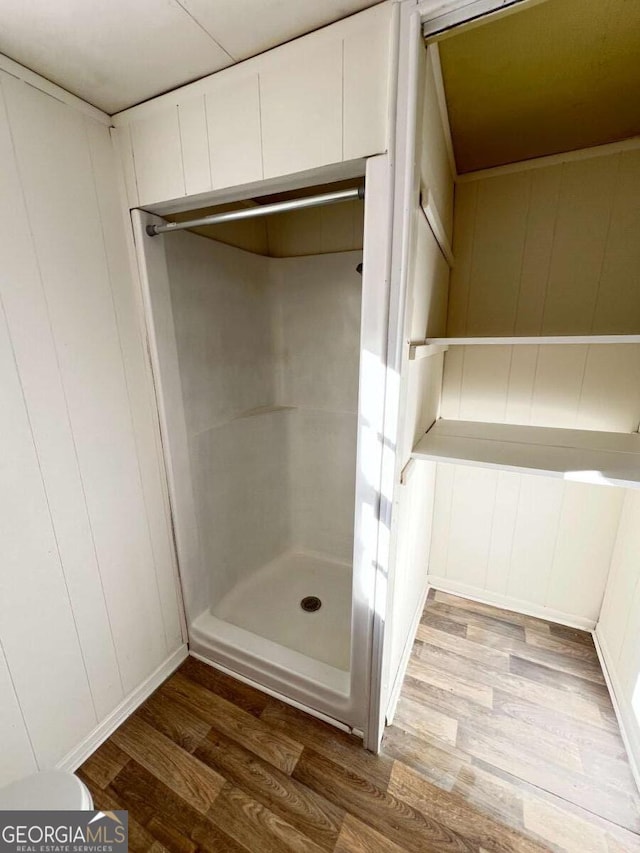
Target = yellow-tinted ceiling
(557,76)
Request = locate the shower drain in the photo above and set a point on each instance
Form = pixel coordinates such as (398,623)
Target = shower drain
(311,603)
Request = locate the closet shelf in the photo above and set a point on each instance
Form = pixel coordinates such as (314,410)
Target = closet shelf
(587,456)
(535,340)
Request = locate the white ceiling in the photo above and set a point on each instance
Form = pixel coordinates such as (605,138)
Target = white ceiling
(117,53)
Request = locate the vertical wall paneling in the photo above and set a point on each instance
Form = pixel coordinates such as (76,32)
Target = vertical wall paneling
(56,700)
(543,192)
(302,110)
(141,398)
(467,555)
(18,758)
(549,250)
(157,155)
(56,173)
(524,541)
(321,99)
(27,314)
(544,250)
(194,145)
(618,631)
(582,227)
(584,544)
(366,86)
(88,599)
(617,298)
(235,134)
(576,387)
(610,393)
(503,521)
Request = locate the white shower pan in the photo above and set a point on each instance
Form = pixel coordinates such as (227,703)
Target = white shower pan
(262,618)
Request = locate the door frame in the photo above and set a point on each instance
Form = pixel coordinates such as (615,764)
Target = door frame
(417,19)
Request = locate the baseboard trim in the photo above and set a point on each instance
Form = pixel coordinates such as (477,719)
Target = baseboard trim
(394,695)
(505,602)
(103,730)
(624,712)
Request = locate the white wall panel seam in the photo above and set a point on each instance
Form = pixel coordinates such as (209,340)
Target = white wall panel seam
(46,497)
(563,172)
(449,517)
(533,384)
(469,275)
(206,125)
(62,386)
(342,96)
(496,480)
(128,389)
(18,703)
(260,122)
(581,392)
(513,536)
(547,588)
(524,252)
(184,177)
(612,201)
(133,158)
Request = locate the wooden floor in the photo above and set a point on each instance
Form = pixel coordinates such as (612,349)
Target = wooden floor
(504,740)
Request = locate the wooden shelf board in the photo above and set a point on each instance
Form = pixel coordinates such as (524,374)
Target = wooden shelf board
(535,340)
(587,456)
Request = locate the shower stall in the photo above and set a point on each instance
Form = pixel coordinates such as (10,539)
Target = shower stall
(267,345)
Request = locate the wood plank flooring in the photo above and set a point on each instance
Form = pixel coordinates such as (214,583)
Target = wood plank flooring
(504,740)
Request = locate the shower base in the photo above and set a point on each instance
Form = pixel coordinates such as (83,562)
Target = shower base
(269,604)
(260,630)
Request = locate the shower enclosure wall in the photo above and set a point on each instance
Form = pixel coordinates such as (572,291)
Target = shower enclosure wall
(257,362)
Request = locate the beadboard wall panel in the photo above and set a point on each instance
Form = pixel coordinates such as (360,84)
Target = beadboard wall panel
(320,99)
(618,631)
(573,386)
(549,250)
(542,250)
(88,594)
(523,541)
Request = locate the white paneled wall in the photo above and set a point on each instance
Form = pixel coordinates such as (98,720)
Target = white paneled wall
(540,249)
(618,631)
(549,250)
(89,605)
(530,543)
(575,387)
(320,99)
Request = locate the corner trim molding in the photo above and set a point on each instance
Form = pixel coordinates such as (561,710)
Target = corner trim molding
(72,760)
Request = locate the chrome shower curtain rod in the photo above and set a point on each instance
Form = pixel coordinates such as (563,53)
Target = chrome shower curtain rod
(260,210)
